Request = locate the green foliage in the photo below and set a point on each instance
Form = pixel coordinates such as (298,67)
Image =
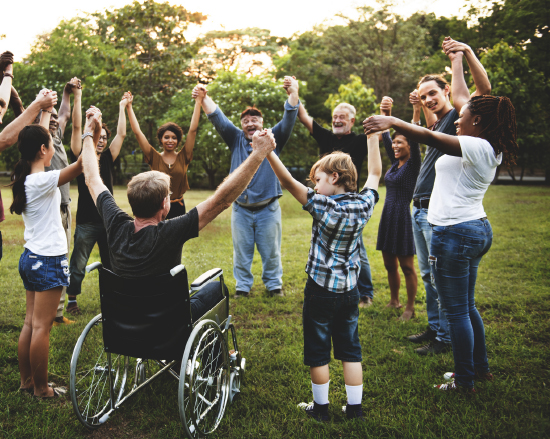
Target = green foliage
(355,93)
(233,92)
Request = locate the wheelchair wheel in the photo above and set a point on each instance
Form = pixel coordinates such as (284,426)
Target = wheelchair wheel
(204,380)
(89,379)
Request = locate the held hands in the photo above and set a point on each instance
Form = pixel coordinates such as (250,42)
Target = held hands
(454,49)
(126,100)
(385,106)
(414,99)
(199,92)
(6,63)
(374,124)
(291,85)
(263,141)
(47,99)
(93,123)
(74,86)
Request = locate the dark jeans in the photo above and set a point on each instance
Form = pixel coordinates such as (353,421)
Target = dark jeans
(454,258)
(205,299)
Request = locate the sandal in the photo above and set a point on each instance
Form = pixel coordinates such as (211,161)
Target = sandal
(57,392)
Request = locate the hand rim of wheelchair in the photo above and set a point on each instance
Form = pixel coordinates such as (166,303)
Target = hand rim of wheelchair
(193,421)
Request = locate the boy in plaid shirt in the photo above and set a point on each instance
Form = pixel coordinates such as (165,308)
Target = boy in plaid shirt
(331,299)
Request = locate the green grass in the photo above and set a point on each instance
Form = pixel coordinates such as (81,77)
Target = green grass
(513,294)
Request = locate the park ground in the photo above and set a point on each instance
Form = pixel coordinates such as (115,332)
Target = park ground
(512,294)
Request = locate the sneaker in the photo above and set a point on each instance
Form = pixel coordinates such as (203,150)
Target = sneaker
(480,377)
(434,347)
(319,412)
(58,321)
(422,337)
(73,309)
(365,302)
(277,293)
(239,294)
(353,411)
(451,386)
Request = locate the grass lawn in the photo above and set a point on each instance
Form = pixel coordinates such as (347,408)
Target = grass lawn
(513,295)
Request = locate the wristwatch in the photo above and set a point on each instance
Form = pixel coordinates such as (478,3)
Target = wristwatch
(419,123)
(87,135)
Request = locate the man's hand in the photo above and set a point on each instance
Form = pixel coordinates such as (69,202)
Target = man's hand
(93,123)
(47,99)
(199,92)
(74,86)
(6,62)
(451,46)
(263,141)
(414,99)
(126,99)
(374,124)
(291,85)
(385,106)
(129,97)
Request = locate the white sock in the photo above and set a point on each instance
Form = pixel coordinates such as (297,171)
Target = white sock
(320,393)
(355,394)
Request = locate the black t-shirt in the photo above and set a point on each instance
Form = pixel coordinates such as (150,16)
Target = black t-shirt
(86,211)
(353,144)
(152,251)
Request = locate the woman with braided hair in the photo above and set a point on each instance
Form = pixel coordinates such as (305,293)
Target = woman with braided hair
(486,137)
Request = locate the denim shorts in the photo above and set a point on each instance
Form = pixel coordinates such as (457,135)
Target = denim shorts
(330,317)
(41,273)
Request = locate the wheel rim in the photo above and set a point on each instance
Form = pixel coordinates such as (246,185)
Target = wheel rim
(89,380)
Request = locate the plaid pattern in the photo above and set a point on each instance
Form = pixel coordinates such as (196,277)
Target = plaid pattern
(338,220)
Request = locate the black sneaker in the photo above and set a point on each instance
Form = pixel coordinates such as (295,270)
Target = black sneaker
(423,337)
(319,412)
(277,293)
(354,411)
(434,347)
(239,294)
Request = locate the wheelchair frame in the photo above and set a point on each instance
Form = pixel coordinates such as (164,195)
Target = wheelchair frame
(210,375)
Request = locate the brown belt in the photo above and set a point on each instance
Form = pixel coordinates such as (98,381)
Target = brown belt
(178,200)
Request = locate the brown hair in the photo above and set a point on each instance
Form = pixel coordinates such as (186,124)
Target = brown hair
(338,162)
(251,111)
(498,120)
(146,193)
(107,130)
(170,126)
(439,79)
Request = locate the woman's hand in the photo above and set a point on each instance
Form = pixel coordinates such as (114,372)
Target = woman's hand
(126,100)
(199,92)
(374,124)
(385,106)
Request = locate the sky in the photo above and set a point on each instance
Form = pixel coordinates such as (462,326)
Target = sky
(38,17)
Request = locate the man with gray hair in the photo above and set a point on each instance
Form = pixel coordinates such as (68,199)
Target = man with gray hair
(149,245)
(342,138)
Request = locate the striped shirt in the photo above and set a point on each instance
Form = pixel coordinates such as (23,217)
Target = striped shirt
(338,221)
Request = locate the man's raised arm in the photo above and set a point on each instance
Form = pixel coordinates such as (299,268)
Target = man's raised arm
(263,142)
(90,163)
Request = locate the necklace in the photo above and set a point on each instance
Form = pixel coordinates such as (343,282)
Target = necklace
(169,165)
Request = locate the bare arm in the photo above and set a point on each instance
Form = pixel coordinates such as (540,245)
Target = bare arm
(76,136)
(374,164)
(65,107)
(6,61)
(236,182)
(417,105)
(194,126)
(443,142)
(70,172)
(116,144)
(88,157)
(305,118)
(9,135)
(208,105)
(134,124)
(297,189)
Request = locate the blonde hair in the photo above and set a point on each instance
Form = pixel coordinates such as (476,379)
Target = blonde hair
(338,162)
(351,109)
(146,193)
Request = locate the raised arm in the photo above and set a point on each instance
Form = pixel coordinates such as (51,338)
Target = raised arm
(235,183)
(134,124)
(46,114)
(443,142)
(374,164)
(455,50)
(6,70)
(283,129)
(208,104)
(116,144)
(65,107)
(10,134)
(76,135)
(305,118)
(194,125)
(297,189)
(90,163)
(417,105)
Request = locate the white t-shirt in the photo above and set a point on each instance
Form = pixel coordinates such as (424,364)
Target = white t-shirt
(461,182)
(44,233)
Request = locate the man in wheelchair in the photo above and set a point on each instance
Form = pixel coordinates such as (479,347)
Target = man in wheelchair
(147,245)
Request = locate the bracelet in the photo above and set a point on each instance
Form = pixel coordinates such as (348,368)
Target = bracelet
(8,74)
(88,134)
(419,123)
(48,111)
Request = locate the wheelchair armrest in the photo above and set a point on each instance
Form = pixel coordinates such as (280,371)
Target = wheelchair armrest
(205,278)
(93,266)
(177,269)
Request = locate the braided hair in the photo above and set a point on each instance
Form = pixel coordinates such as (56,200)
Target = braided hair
(498,120)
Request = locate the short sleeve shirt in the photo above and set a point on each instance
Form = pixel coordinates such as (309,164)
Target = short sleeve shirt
(353,144)
(59,162)
(177,172)
(152,251)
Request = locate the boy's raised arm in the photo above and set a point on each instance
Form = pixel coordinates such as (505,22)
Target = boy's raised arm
(297,189)
(374,162)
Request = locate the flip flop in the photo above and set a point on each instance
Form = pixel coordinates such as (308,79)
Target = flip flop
(57,392)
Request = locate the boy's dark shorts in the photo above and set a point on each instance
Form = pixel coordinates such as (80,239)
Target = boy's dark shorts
(41,273)
(327,317)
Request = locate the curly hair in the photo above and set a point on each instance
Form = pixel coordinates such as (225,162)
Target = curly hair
(170,126)
(338,162)
(107,130)
(498,123)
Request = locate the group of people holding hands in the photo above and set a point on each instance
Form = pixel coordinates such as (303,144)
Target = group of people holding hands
(467,138)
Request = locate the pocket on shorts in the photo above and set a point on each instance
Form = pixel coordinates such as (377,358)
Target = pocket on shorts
(64,269)
(36,268)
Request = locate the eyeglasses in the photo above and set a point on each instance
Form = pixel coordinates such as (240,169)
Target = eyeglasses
(103,137)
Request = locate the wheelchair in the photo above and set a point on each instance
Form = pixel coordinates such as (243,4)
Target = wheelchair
(143,331)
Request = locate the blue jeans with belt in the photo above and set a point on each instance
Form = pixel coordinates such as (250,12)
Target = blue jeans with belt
(454,258)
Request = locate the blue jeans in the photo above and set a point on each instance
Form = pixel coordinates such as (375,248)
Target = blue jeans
(330,317)
(263,228)
(364,283)
(422,239)
(455,255)
(85,237)
(41,273)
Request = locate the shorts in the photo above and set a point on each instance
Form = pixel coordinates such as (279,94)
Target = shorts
(41,273)
(330,317)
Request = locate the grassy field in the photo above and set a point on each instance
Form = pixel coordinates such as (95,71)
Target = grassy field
(513,295)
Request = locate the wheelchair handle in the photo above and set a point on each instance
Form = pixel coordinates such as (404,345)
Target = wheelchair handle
(205,278)
(177,269)
(93,266)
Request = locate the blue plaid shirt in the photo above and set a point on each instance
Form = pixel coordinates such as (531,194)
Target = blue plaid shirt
(338,221)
